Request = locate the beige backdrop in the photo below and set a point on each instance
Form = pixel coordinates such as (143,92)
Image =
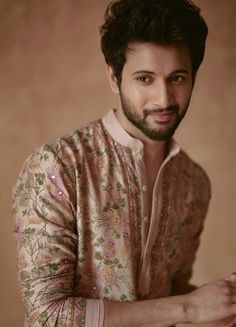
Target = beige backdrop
(52,79)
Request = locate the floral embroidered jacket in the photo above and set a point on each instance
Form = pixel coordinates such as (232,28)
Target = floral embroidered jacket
(84,231)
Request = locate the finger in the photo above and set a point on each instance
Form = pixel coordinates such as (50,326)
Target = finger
(227,322)
(233,290)
(233,299)
(233,309)
(232,287)
(232,277)
(231,280)
(231,323)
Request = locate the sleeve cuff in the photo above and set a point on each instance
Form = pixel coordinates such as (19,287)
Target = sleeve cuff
(94,313)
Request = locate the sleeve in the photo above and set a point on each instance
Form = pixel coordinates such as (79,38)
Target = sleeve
(44,208)
(181,281)
(201,198)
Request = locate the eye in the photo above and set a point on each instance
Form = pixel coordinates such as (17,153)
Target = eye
(177,79)
(144,79)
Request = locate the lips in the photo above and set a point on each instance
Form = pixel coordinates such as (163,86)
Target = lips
(163,116)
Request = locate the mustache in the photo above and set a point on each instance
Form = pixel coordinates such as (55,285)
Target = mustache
(170,109)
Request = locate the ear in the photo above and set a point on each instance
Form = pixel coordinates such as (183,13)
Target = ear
(112,80)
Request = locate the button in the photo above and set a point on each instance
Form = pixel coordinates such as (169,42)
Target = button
(82,304)
(145,219)
(144,188)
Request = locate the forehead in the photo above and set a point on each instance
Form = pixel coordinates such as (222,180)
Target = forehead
(160,59)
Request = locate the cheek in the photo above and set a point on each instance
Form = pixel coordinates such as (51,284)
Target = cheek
(135,96)
(143,96)
(183,97)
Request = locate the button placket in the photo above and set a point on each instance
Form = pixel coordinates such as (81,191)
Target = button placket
(146,269)
(143,187)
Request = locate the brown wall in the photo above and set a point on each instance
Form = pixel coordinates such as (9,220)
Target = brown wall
(52,79)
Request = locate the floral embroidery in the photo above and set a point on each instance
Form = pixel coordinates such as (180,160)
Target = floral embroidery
(78,213)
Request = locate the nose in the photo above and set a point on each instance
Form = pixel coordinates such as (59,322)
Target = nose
(162,95)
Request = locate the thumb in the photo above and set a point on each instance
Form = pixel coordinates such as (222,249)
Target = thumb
(231,277)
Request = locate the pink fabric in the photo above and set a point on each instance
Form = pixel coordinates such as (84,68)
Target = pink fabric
(94,313)
(83,229)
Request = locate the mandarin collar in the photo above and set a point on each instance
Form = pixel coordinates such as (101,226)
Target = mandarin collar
(121,136)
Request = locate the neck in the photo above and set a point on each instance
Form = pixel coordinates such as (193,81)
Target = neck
(153,150)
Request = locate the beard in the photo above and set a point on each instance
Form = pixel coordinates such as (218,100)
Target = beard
(162,131)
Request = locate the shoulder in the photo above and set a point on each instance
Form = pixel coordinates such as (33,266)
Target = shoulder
(76,139)
(199,179)
(65,147)
(193,167)
(61,156)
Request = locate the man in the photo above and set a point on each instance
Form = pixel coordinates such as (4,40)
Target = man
(109,217)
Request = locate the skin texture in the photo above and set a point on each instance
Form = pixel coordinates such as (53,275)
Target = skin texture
(231,320)
(212,303)
(156,85)
(157,80)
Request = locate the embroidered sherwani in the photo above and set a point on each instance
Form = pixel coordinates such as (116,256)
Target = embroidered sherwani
(83,226)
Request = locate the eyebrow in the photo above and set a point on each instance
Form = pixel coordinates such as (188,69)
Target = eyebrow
(143,72)
(178,71)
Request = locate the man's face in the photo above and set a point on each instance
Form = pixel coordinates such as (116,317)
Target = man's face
(155,90)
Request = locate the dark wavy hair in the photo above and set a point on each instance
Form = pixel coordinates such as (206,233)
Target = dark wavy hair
(162,22)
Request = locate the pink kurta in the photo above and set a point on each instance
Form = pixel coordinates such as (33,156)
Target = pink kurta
(83,226)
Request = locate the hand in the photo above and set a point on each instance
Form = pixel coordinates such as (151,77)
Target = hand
(213,302)
(227,322)
(230,321)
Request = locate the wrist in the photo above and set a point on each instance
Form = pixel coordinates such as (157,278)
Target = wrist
(174,309)
(189,309)
(186,309)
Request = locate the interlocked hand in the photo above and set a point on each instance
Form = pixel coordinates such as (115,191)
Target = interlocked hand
(214,302)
